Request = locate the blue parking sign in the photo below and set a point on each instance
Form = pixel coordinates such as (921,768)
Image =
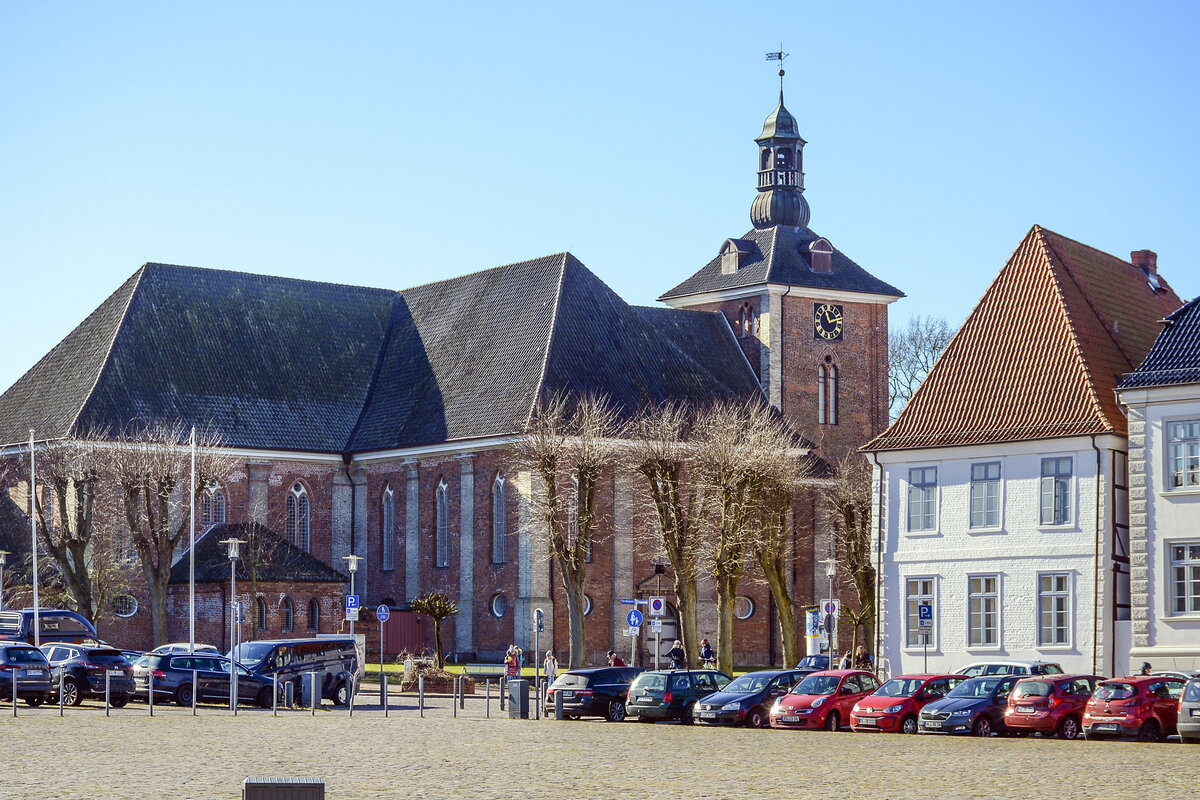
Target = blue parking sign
(351,601)
(925,616)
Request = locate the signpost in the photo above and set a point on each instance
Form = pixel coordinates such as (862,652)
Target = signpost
(539,618)
(925,628)
(352,607)
(658,606)
(634,618)
(630,601)
(382,613)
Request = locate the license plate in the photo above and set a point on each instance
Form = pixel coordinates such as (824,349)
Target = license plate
(708,715)
(867,721)
(568,695)
(34,673)
(932,724)
(1106,727)
(789,719)
(1196,712)
(116,673)
(1025,709)
(645,699)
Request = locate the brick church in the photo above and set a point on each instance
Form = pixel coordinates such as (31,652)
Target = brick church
(379,423)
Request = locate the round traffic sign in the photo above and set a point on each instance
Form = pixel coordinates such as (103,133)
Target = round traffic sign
(634,618)
(383,612)
(830,607)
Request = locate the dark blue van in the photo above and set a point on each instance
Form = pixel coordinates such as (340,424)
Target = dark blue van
(337,662)
(57,625)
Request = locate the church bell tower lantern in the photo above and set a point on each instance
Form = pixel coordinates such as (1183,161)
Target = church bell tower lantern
(780,199)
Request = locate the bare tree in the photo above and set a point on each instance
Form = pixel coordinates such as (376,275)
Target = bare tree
(151,466)
(570,441)
(662,456)
(849,496)
(912,352)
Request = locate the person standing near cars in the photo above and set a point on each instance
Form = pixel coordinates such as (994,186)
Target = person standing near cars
(862,660)
(846,662)
(512,663)
(550,667)
(615,660)
(677,655)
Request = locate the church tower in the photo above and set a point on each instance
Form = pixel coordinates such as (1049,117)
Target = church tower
(811,322)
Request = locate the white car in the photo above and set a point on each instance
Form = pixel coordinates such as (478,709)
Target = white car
(1014,667)
(183,647)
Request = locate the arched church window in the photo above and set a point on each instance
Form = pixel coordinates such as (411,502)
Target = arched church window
(442,534)
(260,614)
(287,613)
(298,516)
(314,615)
(499,521)
(827,392)
(388,526)
(212,506)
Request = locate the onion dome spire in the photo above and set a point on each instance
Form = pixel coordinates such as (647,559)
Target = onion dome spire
(780,199)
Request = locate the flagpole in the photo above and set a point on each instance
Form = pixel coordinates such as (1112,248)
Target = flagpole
(37,628)
(192,557)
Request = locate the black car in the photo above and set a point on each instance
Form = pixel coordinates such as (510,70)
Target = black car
(593,692)
(336,660)
(29,667)
(811,664)
(174,674)
(84,670)
(975,706)
(672,694)
(747,700)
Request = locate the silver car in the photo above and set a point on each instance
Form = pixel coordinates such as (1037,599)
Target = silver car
(1189,712)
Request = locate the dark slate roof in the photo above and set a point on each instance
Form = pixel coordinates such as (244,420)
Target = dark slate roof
(1175,355)
(280,560)
(284,364)
(780,256)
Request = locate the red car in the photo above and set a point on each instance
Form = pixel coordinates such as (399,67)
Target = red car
(1146,706)
(823,699)
(1050,704)
(895,705)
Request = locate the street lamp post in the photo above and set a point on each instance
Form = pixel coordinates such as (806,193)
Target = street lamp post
(352,565)
(3,559)
(830,572)
(233,557)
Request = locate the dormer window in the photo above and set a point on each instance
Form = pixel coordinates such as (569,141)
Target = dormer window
(820,255)
(733,252)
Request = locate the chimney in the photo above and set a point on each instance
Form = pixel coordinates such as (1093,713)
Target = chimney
(1145,260)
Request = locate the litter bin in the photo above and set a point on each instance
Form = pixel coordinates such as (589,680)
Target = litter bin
(518,699)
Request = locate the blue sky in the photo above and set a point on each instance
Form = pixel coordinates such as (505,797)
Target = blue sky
(392,144)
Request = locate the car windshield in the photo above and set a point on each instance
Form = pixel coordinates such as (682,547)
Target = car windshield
(570,680)
(106,656)
(253,651)
(976,687)
(1034,689)
(1114,691)
(813,662)
(1192,693)
(817,684)
(748,683)
(25,655)
(900,687)
(649,682)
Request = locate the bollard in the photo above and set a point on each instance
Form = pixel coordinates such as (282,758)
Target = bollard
(275,695)
(107,685)
(60,691)
(537,697)
(487,708)
(462,691)
(454,698)
(193,693)
(150,691)
(558,708)
(313,692)
(383,691)
(503,684)
(289,694)
(350,699)
(421,694)
(14,692)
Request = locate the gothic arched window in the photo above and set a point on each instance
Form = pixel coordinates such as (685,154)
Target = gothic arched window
(388,527)
(442,535)
(212,506)
(260,614)
(827,392)
(288,614)
(298,516)
(499,521)
(314,615)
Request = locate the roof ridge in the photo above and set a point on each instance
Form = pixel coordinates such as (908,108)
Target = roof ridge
(288,278)
(509,265)
(107,360)
(537,389)
(1093,390)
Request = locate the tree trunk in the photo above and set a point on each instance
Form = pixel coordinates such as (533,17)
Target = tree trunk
(685,604)
(437,643)
(158,605)
(774,569)
(577,652)
(726,593)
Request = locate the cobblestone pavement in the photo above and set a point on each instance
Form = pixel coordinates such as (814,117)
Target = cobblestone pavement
(130,755)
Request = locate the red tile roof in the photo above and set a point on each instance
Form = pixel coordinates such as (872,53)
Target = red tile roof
(1040,355)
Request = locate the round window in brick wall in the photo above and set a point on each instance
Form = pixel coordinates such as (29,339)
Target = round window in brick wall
(743,607)
(587,605)
(499,604)
(124,605)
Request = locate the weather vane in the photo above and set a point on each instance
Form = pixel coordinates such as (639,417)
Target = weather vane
(779,56)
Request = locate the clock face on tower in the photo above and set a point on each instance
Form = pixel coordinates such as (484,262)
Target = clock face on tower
(827,322)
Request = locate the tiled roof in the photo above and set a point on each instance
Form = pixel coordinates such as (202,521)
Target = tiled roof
(1041,353)
(1175,356)
(279,559)
(780,255)
(284,364)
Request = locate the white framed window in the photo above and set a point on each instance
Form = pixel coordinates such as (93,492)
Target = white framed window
(1183,455)
(298,517)
(917,592)
(212,506)
(499,521)
(498,604)
(1054,609)
(442,535)
(827,392)
(983,611)
(743,607)
(1185,577)
(1056,490)
(922,498)
(985,495)
(587,605)
(124,605)
(388,527)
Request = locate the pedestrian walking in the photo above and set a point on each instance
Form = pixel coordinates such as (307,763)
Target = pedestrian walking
(512,662)
(615,660)
(550,667)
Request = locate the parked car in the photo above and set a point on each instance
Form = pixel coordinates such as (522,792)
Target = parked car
(811,664)
(336,661)
(1189,712)
(894,706)
(55,624)
(1145,706)
(1016,667)
(672,693)
(823,699)
(184,647)
(29,667)
(592,692)
(1182,674)
(976,706)
(1050,705)
(85,670)
(173,680)
(747,700)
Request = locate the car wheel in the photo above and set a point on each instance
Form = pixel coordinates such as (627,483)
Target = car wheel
(1068,728)
(1149,732)
(908,725)
(832,721)
(119,700)
(616,711)
(689,714)
(983,727)
(264,697)
(72,694)
(341,695)
(183,695)
(35,700)
(757,718)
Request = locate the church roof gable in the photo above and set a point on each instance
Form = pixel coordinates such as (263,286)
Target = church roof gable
(277,559)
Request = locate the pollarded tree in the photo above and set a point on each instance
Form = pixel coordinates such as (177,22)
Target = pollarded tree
(438,607)
(849,497)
